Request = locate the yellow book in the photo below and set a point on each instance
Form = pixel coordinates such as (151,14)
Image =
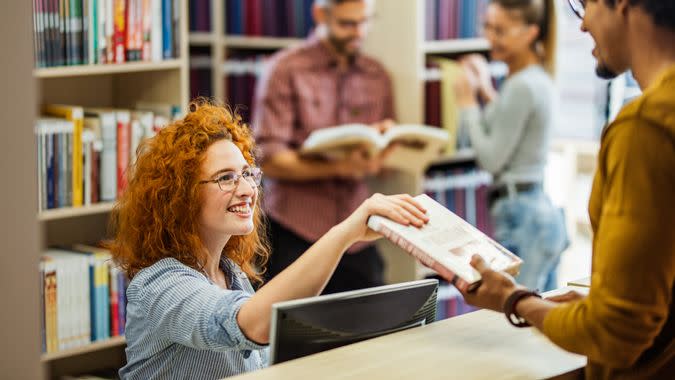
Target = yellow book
(450,70)
(74,114)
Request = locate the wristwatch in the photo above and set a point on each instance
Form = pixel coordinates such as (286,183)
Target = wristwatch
(510,306)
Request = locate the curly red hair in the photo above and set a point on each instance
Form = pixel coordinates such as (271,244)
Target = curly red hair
(157,215)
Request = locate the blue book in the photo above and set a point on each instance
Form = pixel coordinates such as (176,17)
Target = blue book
(167,29)
(50,171)
(300,22)
(237,17)
(122,292)
(309,19)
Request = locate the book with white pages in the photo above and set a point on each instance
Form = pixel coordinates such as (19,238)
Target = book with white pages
(447,243)
(415,145)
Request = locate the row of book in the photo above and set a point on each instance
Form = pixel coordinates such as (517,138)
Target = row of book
(83,153)
(200,15)
(271,18)
(451,19)
(462,189)
(440,105)
(241,76)
(77,32)
(201,74)
(82,297)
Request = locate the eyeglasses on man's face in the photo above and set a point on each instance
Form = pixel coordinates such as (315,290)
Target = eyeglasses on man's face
(229,181)
(578,7)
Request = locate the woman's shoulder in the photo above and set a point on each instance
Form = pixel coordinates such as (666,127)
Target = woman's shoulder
(532,80)
(167,269)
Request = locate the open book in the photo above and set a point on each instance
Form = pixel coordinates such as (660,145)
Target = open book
(416,145)
(447,243)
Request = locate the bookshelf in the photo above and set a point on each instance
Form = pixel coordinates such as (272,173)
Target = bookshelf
(115,342)
(220,45)
(106,69)
(110,86)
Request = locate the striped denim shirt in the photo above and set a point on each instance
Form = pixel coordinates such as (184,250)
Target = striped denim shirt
(180,325)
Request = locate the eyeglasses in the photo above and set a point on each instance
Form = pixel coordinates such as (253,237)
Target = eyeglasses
(230,180)
(578,7)
(499,32)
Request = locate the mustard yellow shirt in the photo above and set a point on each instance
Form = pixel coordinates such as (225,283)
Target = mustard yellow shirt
(626,325)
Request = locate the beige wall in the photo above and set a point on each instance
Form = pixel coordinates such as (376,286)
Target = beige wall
(19,239)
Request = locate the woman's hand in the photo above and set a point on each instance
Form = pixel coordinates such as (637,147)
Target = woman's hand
(402,209)
(465,87)
(479,67)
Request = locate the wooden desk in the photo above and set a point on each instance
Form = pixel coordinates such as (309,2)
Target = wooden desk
(479,345)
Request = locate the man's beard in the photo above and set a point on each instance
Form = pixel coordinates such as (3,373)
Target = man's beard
(605,72)
(340,45)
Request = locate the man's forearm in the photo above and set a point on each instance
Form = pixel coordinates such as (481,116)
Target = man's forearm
(534,310)
(290,166)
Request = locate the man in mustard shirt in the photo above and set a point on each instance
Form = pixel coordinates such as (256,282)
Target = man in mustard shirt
(626,325)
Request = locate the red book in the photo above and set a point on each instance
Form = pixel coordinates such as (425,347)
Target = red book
(445,20)
(123,148)
(114,306)
(257,20)
(432,103)
(119,34)
(249,18)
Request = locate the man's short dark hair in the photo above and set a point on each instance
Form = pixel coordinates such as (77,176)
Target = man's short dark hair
(661,11)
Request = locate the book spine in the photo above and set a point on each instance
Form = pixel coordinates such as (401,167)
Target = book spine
(123,149)
(146,54)
(114,303)
(167,38)
(43,316)
(157,36)
(119,33)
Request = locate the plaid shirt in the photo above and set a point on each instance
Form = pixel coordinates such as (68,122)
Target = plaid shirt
(302,90)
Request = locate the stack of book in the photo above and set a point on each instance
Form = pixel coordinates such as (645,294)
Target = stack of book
(462,189)
(82,297)
(83,153)
(241,75)
(201,73)
(271,18)
(452,19)
(200,15)
(76,32)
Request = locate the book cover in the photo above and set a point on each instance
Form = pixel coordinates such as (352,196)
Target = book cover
(447,243)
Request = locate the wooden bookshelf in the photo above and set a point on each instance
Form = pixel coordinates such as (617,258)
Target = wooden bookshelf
(202,38)
(121,68)
(73,212)
(459,156)
(110,86)
(455,46)
(267,43)
(117,341)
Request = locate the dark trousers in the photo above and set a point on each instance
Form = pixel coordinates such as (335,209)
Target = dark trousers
(363,269)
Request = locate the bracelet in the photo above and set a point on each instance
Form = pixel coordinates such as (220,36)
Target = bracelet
(510,307)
